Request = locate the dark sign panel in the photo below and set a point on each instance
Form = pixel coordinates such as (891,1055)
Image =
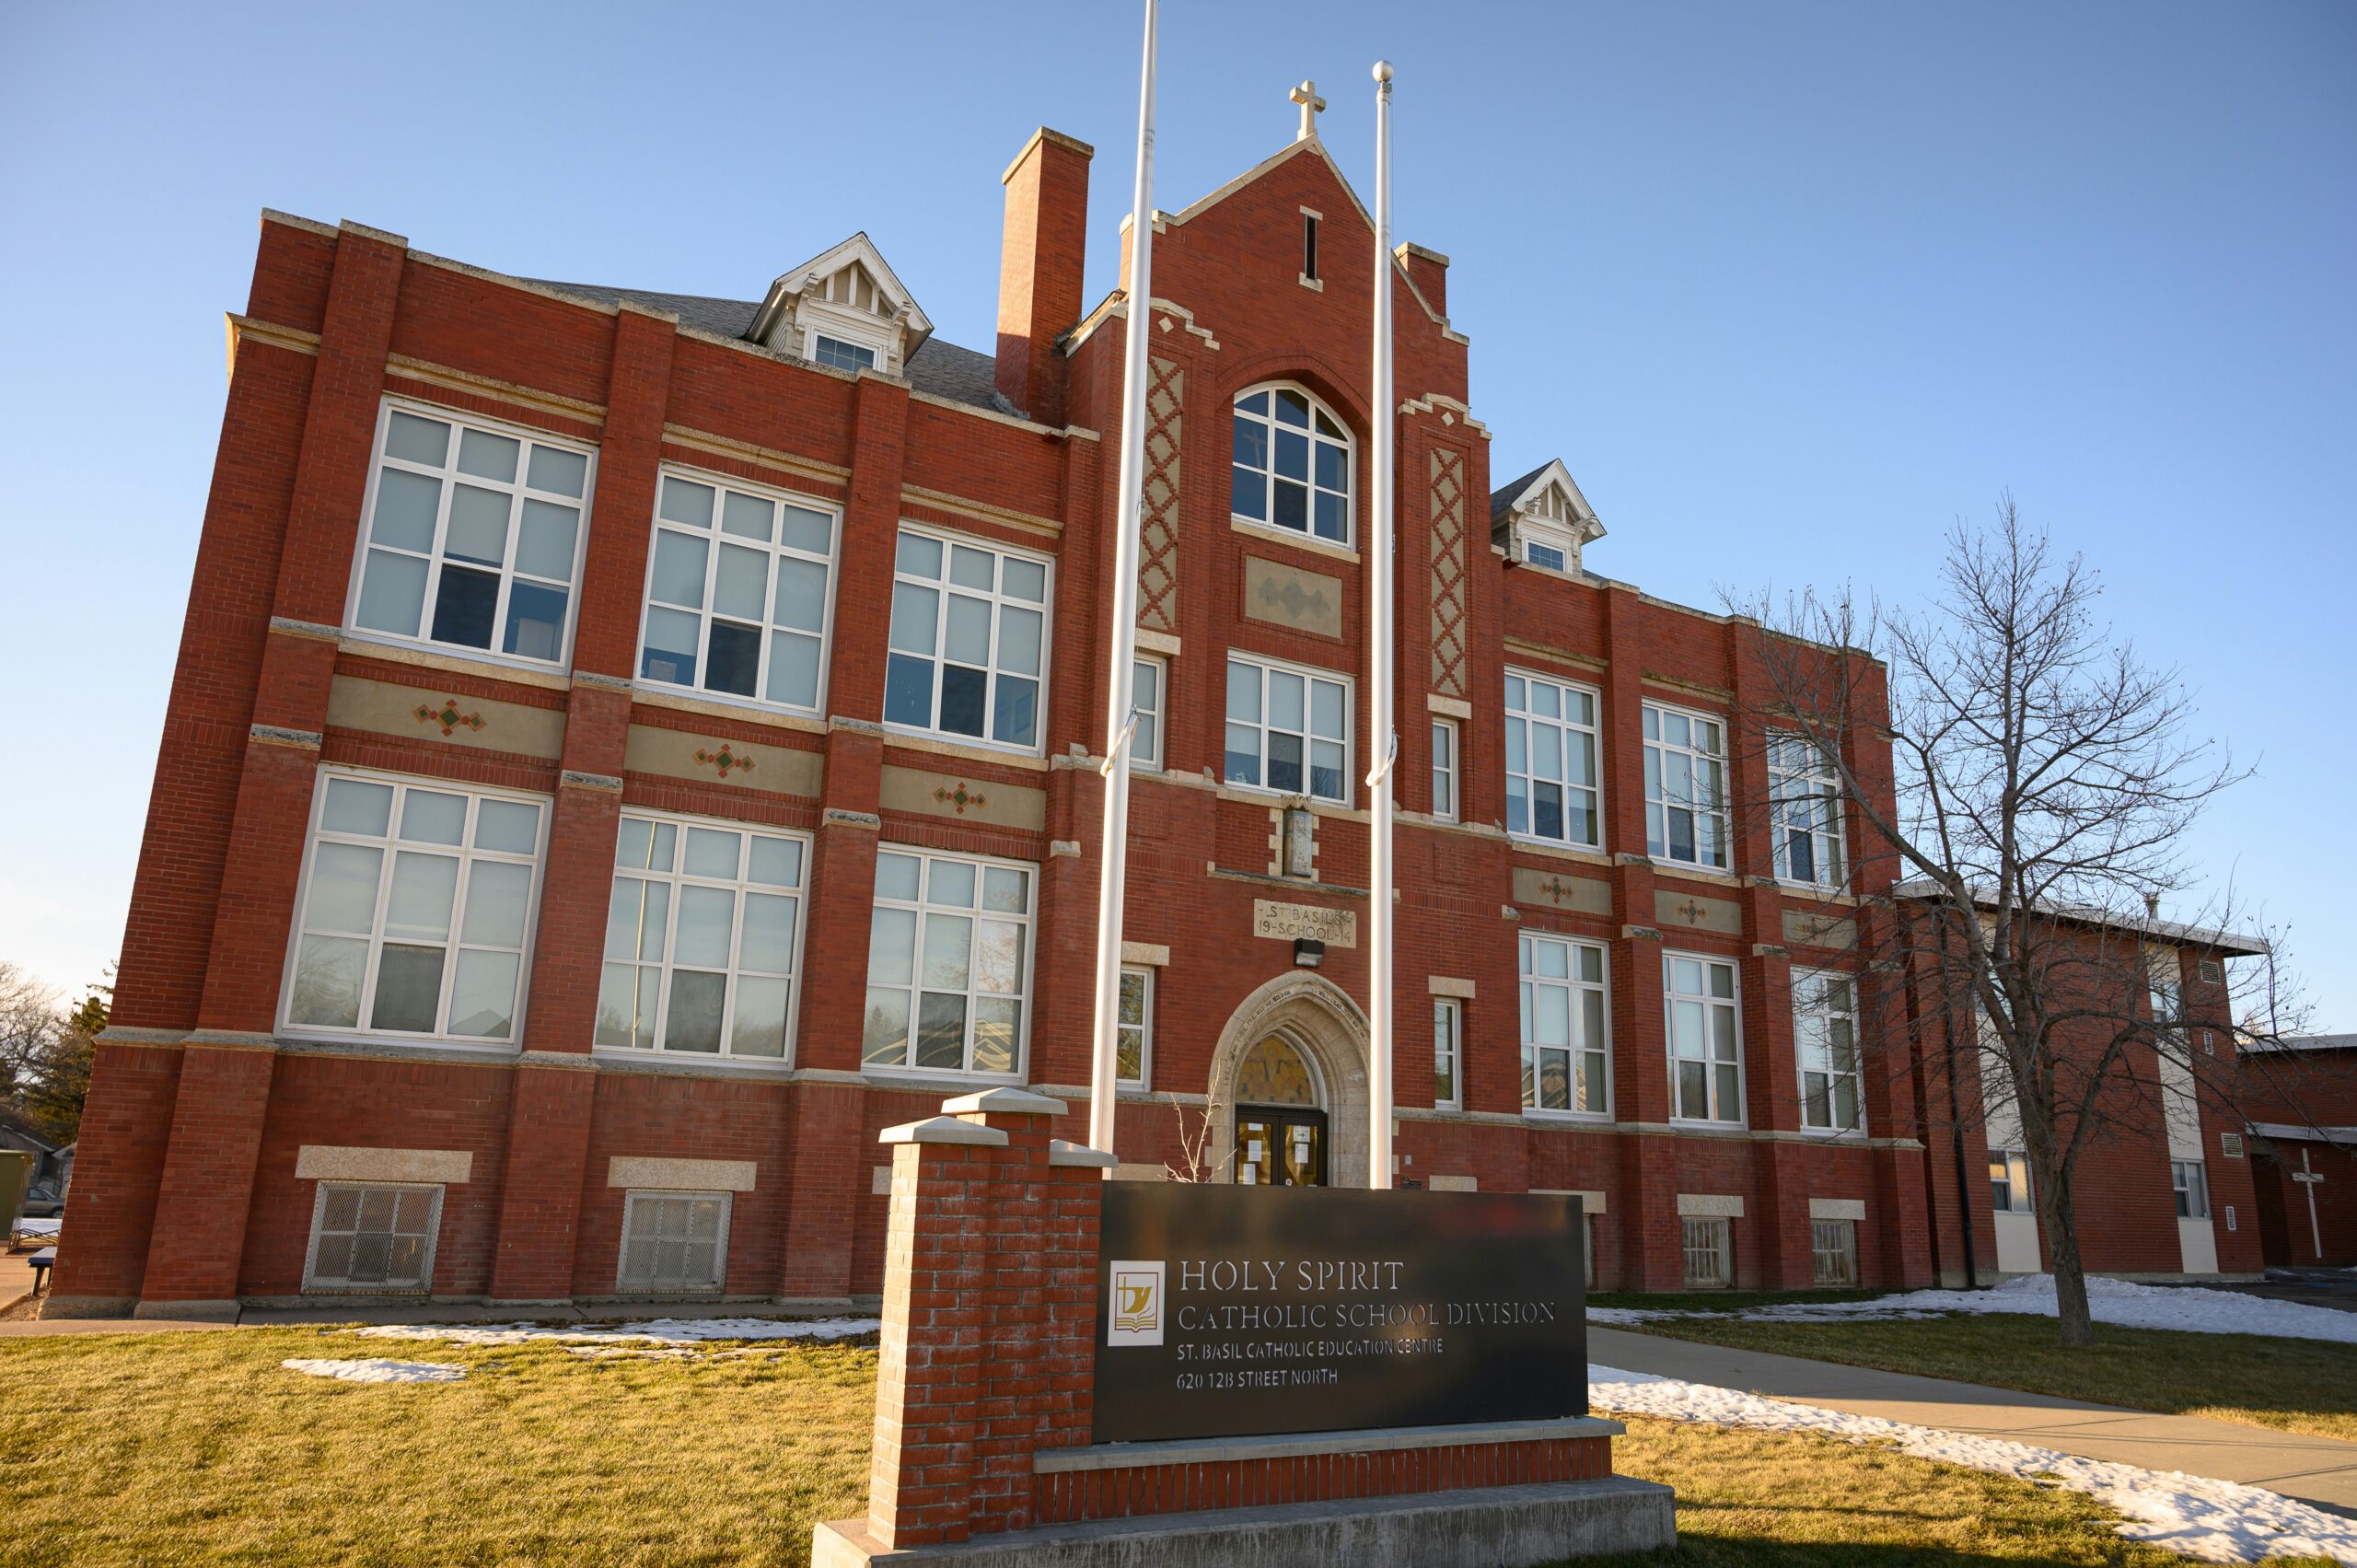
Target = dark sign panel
(1223,1311)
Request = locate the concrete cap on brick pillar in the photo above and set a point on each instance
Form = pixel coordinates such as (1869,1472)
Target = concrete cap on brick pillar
(1003,1102)
(1043,255)
(943,1129)
(1063,1151)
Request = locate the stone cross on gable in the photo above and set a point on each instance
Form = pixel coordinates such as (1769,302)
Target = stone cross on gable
(1312,105)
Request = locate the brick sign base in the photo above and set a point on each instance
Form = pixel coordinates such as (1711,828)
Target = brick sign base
(983,1405)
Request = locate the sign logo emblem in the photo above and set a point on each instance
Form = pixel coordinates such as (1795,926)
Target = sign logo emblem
(1135,1315)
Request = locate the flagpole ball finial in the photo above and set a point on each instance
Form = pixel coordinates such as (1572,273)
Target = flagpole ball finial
(1383,70)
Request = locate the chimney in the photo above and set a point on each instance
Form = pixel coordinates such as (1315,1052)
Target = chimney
(1428,270)
(1040,269)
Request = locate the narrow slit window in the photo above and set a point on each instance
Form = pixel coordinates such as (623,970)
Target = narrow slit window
(1309,246)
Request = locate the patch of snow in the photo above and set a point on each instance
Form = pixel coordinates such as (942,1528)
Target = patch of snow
(2191,1309)
(670,1331)
(2215,1521)
(377,1369)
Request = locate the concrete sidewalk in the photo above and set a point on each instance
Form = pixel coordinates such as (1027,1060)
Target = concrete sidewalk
(2321,1470)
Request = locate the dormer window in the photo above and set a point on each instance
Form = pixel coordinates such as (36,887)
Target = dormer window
(839,355)
(1541,519)
(844,310)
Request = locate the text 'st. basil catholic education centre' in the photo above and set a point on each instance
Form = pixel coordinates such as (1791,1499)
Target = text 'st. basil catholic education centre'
(627,748)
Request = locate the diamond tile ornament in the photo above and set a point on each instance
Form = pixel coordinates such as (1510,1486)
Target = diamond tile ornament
(448,715)
(723,760)
(1448,502)
(1166,401)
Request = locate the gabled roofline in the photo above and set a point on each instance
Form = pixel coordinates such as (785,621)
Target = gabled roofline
(1553,472)
(859,248)
(2229,944)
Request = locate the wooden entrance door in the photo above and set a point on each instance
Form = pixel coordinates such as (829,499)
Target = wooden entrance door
(1277,1147)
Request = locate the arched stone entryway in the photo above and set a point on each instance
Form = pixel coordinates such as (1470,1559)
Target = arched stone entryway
(1318,1019)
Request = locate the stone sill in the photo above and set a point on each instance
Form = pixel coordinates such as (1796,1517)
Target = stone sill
(1282,1446)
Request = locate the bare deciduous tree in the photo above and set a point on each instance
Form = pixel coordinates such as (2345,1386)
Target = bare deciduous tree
(2045,780)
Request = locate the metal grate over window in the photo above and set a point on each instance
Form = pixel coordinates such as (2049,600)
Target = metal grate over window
(1710,1253)
(1833,1247)
(374,1238)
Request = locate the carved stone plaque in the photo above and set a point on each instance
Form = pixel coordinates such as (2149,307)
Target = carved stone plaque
(1284,922)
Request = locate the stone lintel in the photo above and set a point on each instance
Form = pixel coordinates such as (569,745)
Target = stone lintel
(944,1130)
(1063,1151)
(1005,1102)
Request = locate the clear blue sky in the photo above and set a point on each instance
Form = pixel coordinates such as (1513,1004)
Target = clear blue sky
(1789,287)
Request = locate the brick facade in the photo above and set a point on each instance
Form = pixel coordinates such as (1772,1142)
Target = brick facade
(204,1097)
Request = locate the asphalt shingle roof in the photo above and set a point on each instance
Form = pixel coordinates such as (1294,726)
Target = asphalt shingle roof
(942,369)
(1503,496)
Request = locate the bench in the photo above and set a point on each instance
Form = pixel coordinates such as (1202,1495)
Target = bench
(41,1261)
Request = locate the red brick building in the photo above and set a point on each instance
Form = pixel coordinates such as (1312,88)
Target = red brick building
(2301,1097)
(627,748)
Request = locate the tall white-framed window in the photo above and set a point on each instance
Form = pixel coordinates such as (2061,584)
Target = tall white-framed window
(474,535)
(373,1237)
(1149,696)
(1552,781)
(2009,1191)
(415,913)
(1566,1042)
(1825,1034)
(968,640)
(1448,1053)
(1445,772)
(1288,729)
(1290,465)
(673,1243)
(1133,1051)
(1685,786)
(703,939)
(2192,1185)
(738,589)
(1804,795)
(949,964)
(1705,1038)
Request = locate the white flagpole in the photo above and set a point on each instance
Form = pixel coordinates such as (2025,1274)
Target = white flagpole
(1121,721)
(1382,728)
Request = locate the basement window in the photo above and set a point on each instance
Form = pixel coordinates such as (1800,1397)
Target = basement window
(674,1242)
(1709,1248)
(1833,1252)
(375,1238)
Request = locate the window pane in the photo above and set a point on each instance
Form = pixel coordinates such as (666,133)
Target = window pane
(1018,640)
(684,501)
(406,506)
(680,561)
(766,944)
(740,588)
(998,957)
(423,887)
(1248,490)
(805,530)
(1016,721)
(487,455)
(908,691)
(697,1002)
(325,993)
(951,882)
(408,989)
(673,640)
(478,528)
(705,916)
(777,862)
(556,469)
(962,692)
(734,660)
(498,898)
(884,1034)
(482,994)
(891,947)
(758,1029)
(914,611)
(392,593)
(996,1020)
(941,1031)
(343,889)
(417,440)
(967,635)
(970,568)
(918,556)
(430,817)
(801,600)
(1005,890)
(748,516)
(1023,579)
(510,826)
(713,852)
(794,669)
(896,876)
(464,606)
(622,1024)
(948,943)
(535,620)
(354,806)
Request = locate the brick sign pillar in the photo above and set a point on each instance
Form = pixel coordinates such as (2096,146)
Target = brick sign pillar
(990,1314)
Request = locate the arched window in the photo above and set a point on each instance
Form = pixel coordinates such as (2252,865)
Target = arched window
(1292,464)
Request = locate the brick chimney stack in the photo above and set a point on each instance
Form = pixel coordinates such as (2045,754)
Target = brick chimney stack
(1040,269)
(1428,270)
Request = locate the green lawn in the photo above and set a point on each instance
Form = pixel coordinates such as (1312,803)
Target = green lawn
(2292,1384)
(196,1447)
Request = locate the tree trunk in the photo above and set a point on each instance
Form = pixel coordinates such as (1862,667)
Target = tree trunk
(2078,1325)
